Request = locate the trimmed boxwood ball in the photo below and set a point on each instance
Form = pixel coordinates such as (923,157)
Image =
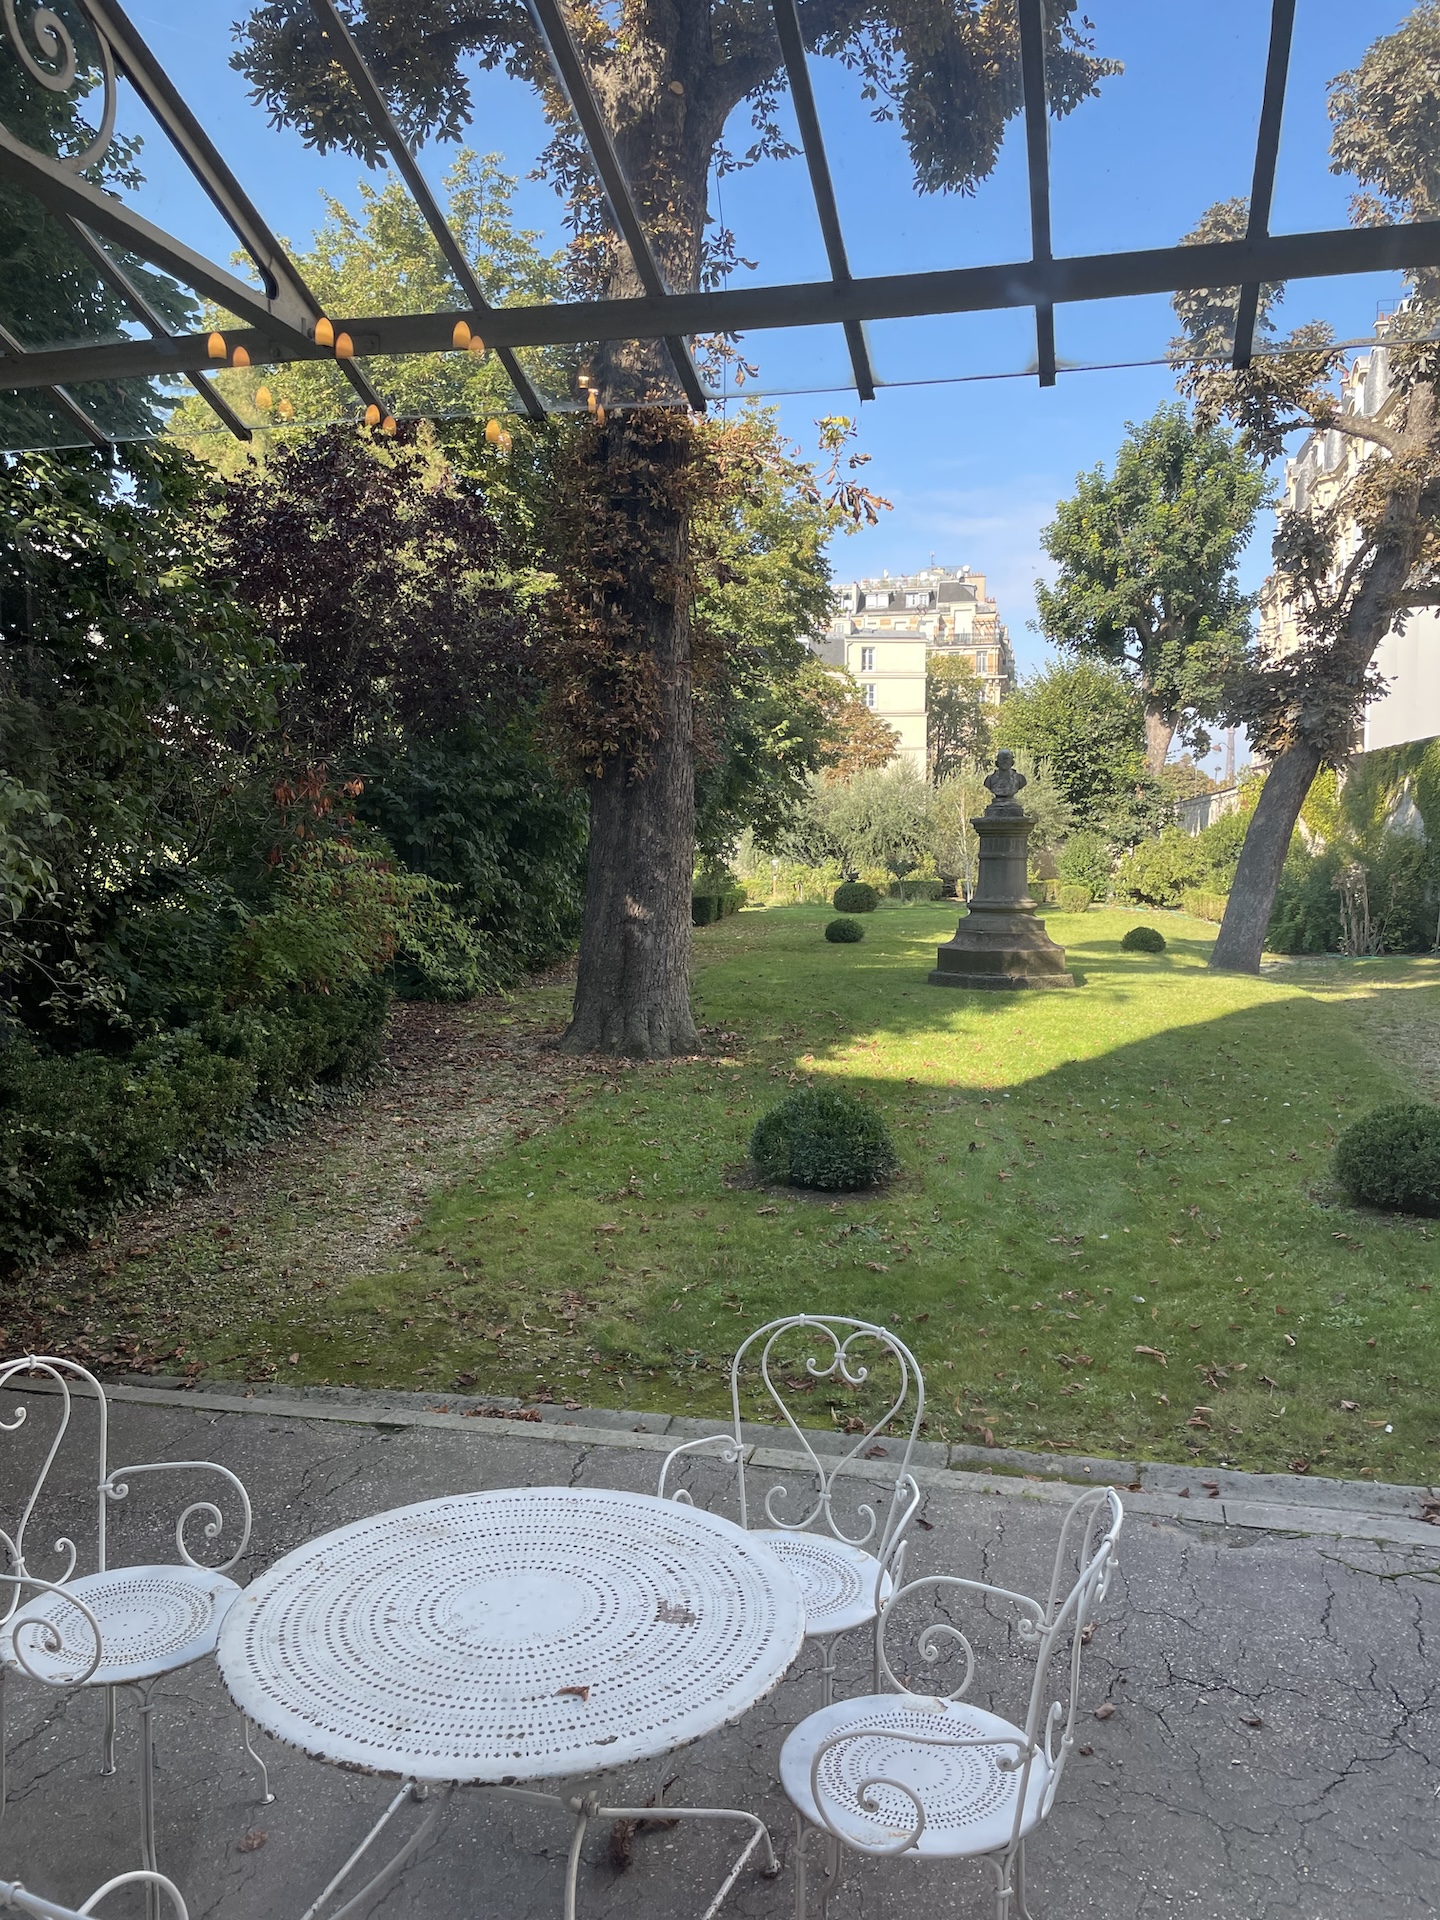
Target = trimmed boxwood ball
(843,931)
(823,1137)
(855,896)
(1391,1158)
(1144,940)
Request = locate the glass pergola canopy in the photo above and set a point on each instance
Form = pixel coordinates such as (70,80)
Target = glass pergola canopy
(113,306)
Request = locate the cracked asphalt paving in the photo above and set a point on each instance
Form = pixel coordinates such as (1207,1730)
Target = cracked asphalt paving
(1328,1808)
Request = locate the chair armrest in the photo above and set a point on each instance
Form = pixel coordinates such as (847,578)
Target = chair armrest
(116,1486)
(13,1895)
(47,1637)
(726,1449)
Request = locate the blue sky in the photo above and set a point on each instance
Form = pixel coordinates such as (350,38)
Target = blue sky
(974,465)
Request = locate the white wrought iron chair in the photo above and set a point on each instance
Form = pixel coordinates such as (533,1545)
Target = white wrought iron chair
(15,1898)
(934,1776)
(845,1573)
(118,1627)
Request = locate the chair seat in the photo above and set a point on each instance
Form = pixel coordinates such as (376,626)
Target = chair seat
(152,1620)
(969,1802)
(837,1580)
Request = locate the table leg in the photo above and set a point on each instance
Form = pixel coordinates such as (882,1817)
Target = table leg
(759,1837)
(584,1808)
(410,1790)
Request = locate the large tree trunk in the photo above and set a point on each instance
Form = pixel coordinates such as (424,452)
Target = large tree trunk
(632,992)
(1160,724)
(1241,939)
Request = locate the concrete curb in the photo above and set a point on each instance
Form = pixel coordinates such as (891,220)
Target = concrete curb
(1265,1503)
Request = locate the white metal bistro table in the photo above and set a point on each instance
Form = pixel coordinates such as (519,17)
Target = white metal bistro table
(520,1635)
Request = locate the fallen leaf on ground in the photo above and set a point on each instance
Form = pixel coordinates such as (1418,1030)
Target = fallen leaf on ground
(579,1693)
(1105,1710)
(1153,1353)
(253,1841)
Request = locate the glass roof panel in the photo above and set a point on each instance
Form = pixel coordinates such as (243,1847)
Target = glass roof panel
(952,347)
(33,419)
(1331,37)
(1175,132)
(1133,167)
(889,225)
(779,360)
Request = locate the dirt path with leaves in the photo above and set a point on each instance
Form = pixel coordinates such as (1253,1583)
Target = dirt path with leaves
(328,1202)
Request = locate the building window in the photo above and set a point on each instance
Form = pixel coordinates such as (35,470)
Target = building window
(868,693)
(917,599)
(867,659)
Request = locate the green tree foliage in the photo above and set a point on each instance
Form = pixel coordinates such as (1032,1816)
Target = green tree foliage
(415,647)
(382,259)
(126,679)
(1085,721)
(185,945)
(768,713)
(1365,876)
(50,292)
(881,819)
(1160,871)
(958,717)
(1086,861)
(1146,580)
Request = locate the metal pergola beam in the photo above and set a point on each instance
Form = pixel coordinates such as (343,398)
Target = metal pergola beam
(569,66)
(111,271)
(1029,283)
(1267,153)
(802,96)
(58,397)
(289,299)
(71,197)
(336,30)
(1037,156)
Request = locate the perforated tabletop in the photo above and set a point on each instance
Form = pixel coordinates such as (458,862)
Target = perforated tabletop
(523,1634)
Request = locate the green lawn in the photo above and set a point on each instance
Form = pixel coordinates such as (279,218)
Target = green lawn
(1091,1181)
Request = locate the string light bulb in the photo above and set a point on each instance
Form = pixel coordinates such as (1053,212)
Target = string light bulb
(324,333)
(504,443)
(285,410)
(216,348)
(239,358)
(372,415)
(264,399)
(600,416)
(592,399)
(583,380)
(477,346)
(460,338)
(387,425)
(344,347)
(493,431)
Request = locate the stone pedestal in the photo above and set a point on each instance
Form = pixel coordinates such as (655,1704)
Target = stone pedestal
(1001,943)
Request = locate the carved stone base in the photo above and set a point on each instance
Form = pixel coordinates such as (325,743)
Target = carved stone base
(1000,949)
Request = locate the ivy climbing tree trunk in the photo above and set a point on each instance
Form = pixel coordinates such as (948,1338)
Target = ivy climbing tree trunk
(632,991)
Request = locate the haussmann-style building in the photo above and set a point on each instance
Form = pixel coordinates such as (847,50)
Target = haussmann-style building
(884,632)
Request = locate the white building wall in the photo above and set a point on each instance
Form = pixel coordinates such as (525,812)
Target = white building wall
(1410,708)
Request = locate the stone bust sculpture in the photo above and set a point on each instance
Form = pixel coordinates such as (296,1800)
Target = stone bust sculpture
(1005,782)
